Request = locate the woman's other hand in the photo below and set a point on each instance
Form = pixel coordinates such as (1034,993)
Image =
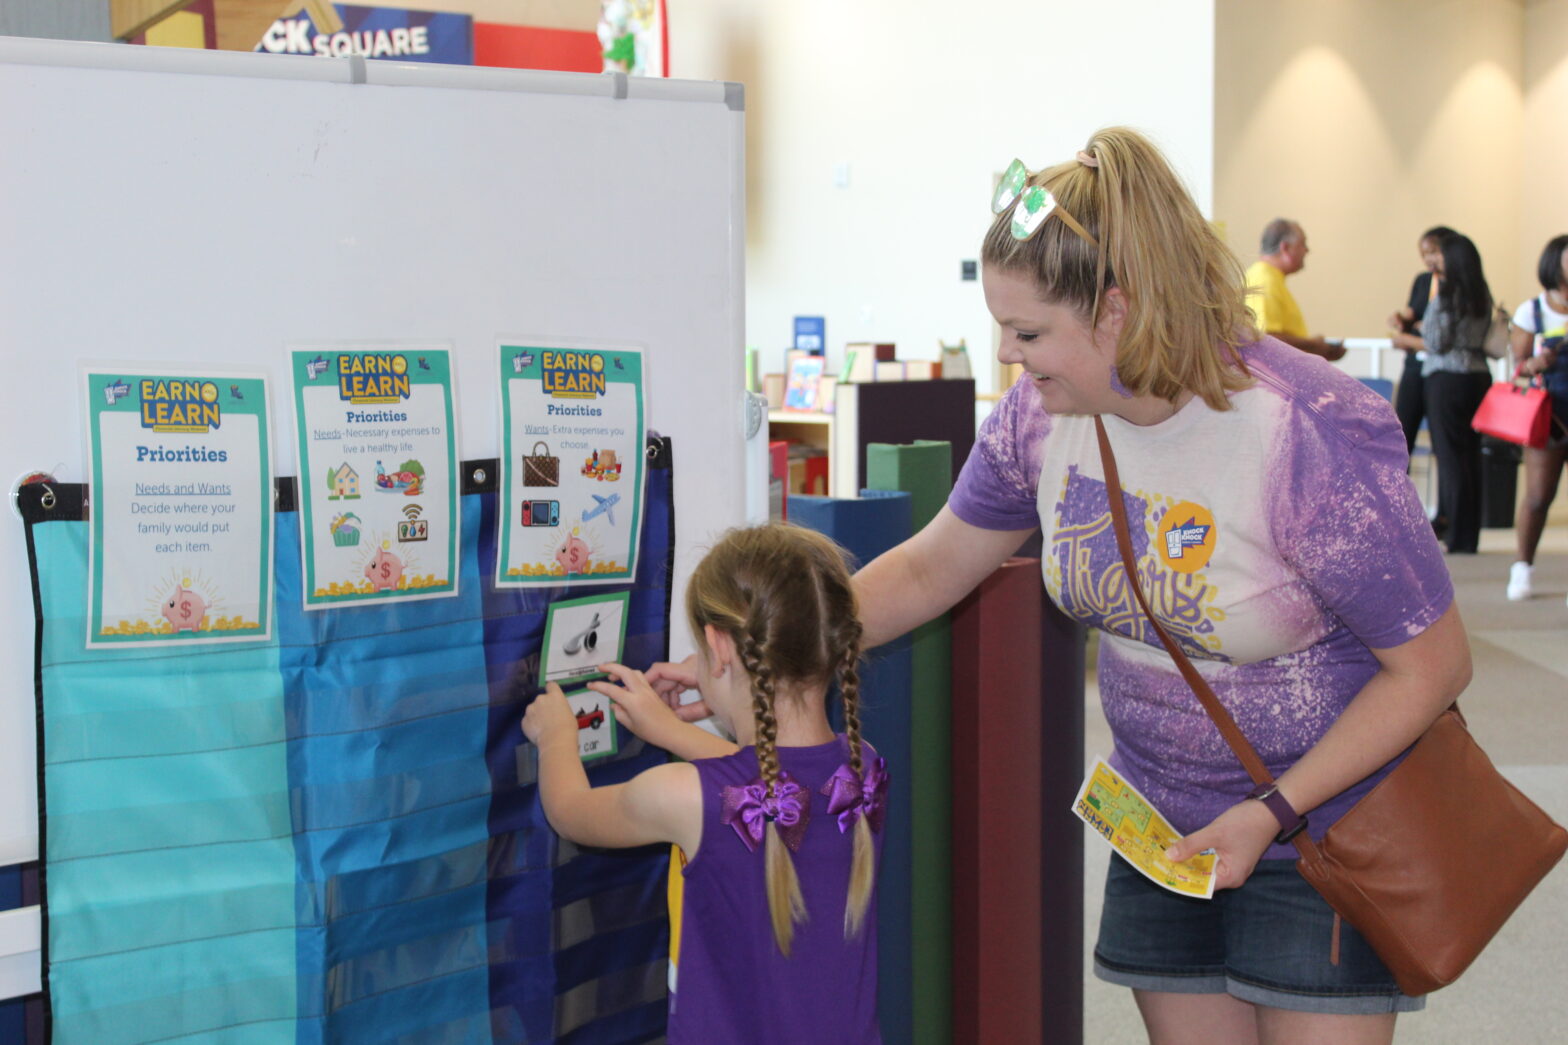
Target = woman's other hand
(1239,836)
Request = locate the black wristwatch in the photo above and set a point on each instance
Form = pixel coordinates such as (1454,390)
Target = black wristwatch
(1291,823)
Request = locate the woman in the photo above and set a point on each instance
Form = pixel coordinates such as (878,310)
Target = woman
(1536,335)
(1312,595)
(1410,399)
(1453,336)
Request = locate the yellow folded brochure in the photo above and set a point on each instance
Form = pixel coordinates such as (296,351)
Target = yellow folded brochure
(1131,825)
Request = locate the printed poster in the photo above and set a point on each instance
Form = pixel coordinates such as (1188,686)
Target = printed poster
(180,461)
(378,480)
(1135,829)
(572,462)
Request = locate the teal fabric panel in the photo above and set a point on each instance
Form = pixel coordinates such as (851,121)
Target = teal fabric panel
(387,710)
(169,849)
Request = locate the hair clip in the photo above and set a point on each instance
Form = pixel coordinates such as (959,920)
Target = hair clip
(1031,204)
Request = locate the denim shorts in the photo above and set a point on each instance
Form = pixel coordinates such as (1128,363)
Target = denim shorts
(1267,942)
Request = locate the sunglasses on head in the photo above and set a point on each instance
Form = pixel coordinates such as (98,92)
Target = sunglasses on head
(1031,204)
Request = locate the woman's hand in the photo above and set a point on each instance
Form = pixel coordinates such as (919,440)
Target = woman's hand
(549,717)
(1399,320)
(669,681)
(1539,363)
(638,706)
(1239,836)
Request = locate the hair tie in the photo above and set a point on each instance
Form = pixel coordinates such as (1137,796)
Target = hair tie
(1087,160)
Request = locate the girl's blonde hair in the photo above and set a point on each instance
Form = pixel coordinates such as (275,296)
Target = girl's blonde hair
(783,596)
(1184,291)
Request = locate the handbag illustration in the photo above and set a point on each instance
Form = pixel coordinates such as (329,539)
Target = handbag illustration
(540,468)
(1432,861)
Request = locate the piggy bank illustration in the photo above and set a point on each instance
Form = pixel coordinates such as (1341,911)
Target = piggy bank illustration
(384,571)
(573,554)
(185,609)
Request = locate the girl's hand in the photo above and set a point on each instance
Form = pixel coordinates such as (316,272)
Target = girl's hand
(638,706)
(1238,836)
(669,681)
(549,716)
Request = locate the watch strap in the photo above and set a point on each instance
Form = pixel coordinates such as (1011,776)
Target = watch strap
(1291,823)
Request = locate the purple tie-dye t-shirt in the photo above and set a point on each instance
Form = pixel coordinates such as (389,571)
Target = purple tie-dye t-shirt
(1281,542)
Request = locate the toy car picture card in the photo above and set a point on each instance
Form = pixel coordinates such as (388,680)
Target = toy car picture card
(181,538)
(573,421)
(596,737)
(378,482)
(581,634)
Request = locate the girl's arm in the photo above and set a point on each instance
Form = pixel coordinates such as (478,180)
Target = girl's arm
(662,804)
(1522,342)
(1414,684)
(640,709)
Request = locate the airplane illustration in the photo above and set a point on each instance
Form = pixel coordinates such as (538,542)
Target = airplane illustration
(605,507)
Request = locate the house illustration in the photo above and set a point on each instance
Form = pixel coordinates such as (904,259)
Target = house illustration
(345,481)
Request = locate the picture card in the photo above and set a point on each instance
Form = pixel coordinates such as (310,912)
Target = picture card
(580,634)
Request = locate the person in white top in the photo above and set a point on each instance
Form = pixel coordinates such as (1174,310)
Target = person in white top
(1537,334)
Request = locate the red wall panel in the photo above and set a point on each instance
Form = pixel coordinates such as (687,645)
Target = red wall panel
(525,47)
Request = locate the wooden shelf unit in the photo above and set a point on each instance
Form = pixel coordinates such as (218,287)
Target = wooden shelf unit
(881,412)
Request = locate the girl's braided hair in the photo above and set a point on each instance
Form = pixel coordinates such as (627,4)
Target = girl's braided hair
(783,595)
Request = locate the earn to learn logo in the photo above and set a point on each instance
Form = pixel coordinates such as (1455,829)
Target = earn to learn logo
(1186,537)
(175,405)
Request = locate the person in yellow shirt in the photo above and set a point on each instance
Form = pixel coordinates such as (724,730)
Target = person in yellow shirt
(1283,252)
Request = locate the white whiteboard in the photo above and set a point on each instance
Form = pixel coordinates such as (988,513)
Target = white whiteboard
(172,205)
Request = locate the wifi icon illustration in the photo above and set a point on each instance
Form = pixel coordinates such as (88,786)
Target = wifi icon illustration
(411,511)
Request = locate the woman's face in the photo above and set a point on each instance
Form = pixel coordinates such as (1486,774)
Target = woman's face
(1432,255)
(1069,366)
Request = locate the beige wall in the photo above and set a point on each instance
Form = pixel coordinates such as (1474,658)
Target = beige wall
(924,102)
(1544,178)
(1369,121)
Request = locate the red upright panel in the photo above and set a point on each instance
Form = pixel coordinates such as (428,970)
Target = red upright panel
(997,865)
(525,47)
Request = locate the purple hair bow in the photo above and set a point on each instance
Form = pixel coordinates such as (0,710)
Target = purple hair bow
(850,797)
(747,808)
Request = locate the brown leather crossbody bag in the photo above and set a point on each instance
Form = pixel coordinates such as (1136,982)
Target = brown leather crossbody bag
(1432,861)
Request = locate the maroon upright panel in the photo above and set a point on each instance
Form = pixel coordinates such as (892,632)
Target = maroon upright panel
(1017,854)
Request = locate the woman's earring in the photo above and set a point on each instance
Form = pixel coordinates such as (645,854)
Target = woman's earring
(1117,386)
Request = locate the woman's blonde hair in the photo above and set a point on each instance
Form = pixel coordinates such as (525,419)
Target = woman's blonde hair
(1184,291)
(783,596)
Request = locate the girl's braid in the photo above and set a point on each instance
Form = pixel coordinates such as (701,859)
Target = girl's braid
(762,697)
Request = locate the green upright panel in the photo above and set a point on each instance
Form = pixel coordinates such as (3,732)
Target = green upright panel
(924,470)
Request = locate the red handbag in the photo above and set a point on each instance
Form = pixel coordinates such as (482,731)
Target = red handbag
(1517,414)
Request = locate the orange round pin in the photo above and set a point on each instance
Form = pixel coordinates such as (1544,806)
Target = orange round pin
(1186,537)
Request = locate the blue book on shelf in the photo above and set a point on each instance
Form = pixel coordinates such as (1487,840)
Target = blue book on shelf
(811,334)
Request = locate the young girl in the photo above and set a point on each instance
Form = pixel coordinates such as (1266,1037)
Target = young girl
(779,836)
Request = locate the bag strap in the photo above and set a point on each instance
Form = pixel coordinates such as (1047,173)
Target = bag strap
(1232,733)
